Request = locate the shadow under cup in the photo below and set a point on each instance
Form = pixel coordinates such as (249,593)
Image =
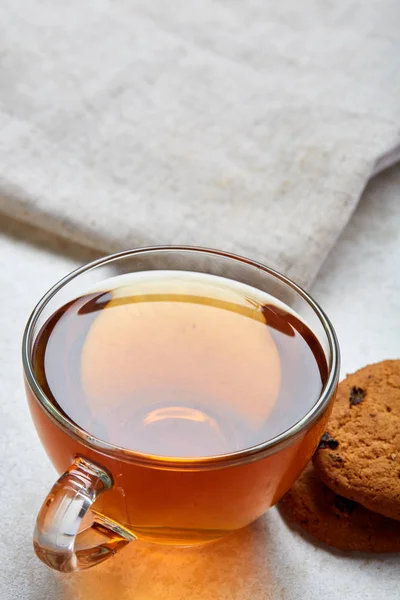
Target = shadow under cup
(107,495)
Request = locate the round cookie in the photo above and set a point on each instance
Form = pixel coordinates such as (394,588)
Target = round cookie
(359,455)
(335,520)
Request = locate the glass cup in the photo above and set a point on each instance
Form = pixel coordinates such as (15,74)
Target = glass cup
(107,495)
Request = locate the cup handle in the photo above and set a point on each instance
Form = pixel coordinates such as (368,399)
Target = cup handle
(58,532)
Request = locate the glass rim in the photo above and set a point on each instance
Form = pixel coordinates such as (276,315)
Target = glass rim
(252,453)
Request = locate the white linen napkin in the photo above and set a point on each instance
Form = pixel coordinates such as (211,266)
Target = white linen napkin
(248,126)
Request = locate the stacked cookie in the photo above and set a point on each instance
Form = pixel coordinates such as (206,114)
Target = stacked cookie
(349,497)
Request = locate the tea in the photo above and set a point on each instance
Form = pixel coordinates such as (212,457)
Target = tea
(179,364)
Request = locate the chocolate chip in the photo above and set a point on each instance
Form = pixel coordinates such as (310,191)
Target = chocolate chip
(357,395)
(335,457)
(327,441)
(344,505)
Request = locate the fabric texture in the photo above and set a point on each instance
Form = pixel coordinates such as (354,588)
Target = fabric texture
(248,126)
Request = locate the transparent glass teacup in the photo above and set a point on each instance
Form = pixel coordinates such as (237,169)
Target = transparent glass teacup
(108,495)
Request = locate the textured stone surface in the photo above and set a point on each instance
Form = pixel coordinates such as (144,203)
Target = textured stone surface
(358,288)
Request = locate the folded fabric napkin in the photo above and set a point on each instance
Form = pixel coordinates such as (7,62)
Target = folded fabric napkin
(249,126)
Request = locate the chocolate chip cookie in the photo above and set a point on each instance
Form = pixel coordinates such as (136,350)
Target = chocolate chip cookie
(335,520)
(359,455)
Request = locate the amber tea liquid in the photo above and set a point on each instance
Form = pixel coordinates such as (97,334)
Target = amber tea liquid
(185,365)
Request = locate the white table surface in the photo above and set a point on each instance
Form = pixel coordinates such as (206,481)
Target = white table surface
(358,287)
